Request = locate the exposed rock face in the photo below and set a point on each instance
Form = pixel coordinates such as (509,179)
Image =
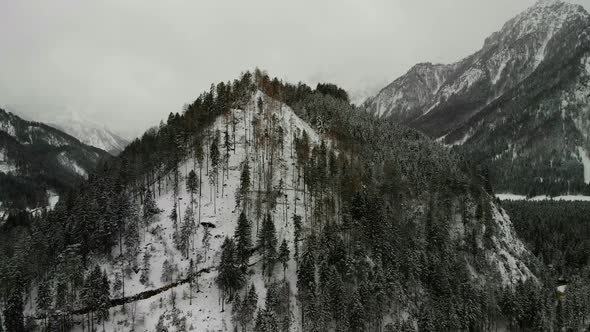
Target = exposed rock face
(518,103)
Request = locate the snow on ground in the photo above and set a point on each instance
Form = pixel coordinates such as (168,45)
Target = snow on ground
(5,165)
(217,209)
(52,198)
(8,128)
(513,197)
(510,250)
(585,157)
(66,161)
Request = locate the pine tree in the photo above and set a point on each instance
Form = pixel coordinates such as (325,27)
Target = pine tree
(13,312)
(266,321)
(92,293)
(191,276)
(248,308)
(214,152)
(192,185)
(243,236)
(174,215)
(131,236)
(267,242)
(199,154)
(61,293)
(144,278)
(186,232)
(298,231)
(150,209)
(104,291)
(44,298)
(356,313)
(306,284)
(229,278)
(284,256)
(260,104)
(242,193)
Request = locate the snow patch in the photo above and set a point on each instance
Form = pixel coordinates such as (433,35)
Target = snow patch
(509,250)
(66,161)
(513,197)
(586,162)
(52,198)
(8,128)
(467,79)
(6,166)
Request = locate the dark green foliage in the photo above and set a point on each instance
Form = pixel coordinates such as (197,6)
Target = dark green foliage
(267,244)
(277,306)
(283,256)
(44,296)
(266,321)
(298,231)
(243,236)
(230,277)
(556,232)
(242,193)
(332,90)
(13,312)
(192,184)
(245,309)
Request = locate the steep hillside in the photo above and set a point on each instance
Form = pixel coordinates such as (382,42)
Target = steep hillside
(37,162)
(93,134)
(246,213)
(518,106)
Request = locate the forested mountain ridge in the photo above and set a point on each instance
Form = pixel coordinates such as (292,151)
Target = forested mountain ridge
(38,162)
(518,106)
(285,208)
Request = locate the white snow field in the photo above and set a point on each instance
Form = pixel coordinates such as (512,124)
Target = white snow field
(513,197)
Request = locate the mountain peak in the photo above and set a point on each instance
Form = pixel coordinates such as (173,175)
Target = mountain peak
(544,19)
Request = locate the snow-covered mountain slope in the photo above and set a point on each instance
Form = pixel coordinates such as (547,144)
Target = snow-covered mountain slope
(218,211)
(36,159)
(93,134)
(181,307)
(520,102)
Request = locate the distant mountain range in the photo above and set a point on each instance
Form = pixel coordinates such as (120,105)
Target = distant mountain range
(38,162)
(93,134)
(519,106)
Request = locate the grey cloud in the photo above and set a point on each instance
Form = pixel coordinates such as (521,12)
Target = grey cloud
(127,63)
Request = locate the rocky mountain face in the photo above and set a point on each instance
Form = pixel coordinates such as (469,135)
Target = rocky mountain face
(518,105)
(93,134)
(37,162)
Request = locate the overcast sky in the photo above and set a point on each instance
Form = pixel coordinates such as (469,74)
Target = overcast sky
(128,63)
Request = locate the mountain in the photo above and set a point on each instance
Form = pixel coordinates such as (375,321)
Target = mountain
(518,106)
(92,134)
(268,206)
(39,162)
